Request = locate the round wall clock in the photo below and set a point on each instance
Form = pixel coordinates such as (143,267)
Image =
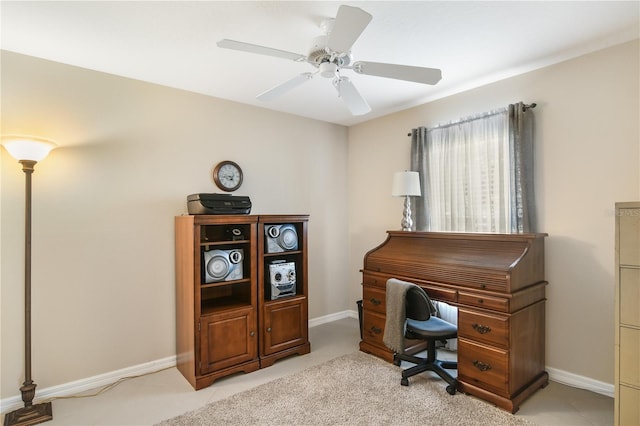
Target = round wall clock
(227,175)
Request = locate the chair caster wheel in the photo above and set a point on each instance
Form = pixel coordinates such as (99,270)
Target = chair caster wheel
(396,360)
(451,390)
(404,381)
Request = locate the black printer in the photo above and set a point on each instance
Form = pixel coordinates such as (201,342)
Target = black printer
(218,204)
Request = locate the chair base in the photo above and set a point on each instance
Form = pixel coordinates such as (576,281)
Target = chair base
(422,364)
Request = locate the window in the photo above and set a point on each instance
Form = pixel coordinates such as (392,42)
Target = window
(476,173)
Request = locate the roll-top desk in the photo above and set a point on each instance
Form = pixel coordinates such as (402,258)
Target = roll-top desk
(497,283)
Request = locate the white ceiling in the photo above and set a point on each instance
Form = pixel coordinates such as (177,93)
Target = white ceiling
(173,43)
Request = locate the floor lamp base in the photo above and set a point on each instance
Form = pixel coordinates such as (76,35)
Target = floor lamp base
(32,415)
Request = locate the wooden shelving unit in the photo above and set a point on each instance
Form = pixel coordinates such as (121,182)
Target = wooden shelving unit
(226,318)
(284,321)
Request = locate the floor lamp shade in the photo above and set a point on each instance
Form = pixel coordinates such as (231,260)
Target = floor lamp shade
(28,151)
(27,148)
(406,184)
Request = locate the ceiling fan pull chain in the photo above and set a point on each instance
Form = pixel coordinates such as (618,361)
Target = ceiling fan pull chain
(336,84)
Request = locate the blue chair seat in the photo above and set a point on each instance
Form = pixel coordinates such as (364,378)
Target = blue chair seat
(433,327)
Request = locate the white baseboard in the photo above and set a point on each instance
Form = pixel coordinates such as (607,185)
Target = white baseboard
(332,317)
(93,382)
(581,382)
(100,380)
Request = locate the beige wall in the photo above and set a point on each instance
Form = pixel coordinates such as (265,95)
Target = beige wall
(587,158)
(130,153)
(104,203)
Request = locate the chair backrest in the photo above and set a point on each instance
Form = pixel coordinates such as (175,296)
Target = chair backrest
(418,305)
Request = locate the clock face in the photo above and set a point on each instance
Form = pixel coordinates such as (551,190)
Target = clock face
(228,176)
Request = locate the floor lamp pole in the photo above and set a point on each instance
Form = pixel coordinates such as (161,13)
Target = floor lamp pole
(29,414)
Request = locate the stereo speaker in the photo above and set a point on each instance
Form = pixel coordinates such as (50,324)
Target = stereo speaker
(281,238)
(223,265)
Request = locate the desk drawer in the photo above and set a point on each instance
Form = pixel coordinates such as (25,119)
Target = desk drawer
(371,279)
(491,329)
(441,294)
(373,328)
(483,366)
(373,299)
(482,301)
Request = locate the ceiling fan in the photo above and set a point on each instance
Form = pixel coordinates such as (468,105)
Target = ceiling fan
(331,53)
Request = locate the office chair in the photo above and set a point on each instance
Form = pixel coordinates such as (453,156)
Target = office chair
(421,323)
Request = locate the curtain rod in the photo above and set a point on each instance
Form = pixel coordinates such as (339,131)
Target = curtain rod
(524,108)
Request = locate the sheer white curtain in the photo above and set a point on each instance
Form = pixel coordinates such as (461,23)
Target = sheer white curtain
(476,173)
(465,174)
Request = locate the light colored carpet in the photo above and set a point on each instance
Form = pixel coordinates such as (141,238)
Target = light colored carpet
(354,389)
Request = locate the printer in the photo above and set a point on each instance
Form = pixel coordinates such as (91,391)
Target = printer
(218,204)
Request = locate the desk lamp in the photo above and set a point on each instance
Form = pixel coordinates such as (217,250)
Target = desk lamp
(406,184)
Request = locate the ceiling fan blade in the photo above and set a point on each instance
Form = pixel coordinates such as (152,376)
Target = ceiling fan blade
(351,97)
(281,89)
(350,22)
(261,50)
(399,72)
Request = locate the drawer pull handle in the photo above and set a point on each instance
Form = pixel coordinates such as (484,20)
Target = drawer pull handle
(376,330)
(481,365)
(375,301)
(482,329)
(480,301)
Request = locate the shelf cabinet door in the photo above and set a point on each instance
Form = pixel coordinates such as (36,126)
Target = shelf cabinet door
(227,339)
(285,325)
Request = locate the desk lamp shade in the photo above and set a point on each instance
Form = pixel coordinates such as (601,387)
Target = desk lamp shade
(27,148)
(406,184)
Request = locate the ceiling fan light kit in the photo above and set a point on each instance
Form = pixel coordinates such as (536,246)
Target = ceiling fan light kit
(328,69)
(331,53)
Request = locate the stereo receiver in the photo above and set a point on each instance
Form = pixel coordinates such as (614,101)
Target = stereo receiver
(282,276)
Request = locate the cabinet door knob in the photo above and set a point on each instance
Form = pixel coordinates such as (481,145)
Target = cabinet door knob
(252,334)
(268,329)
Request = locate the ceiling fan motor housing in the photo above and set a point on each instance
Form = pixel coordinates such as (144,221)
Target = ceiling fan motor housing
(320,53)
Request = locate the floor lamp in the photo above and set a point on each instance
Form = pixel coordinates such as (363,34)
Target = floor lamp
(28,151)
(406,184)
